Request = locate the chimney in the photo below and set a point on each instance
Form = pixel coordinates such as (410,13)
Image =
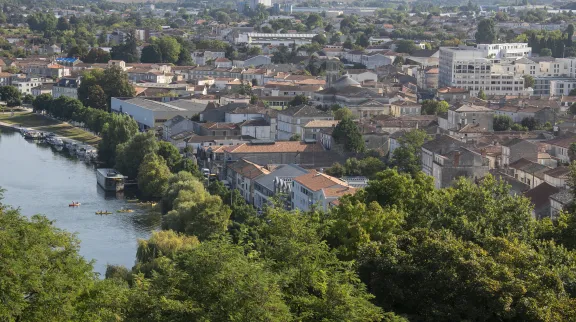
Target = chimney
(457,158)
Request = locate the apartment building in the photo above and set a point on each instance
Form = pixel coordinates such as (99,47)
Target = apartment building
(476,68)
(275,39)
(317,189)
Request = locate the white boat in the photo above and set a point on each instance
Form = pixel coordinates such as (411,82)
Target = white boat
(110,179)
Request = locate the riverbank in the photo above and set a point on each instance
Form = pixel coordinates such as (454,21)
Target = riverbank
(42,123)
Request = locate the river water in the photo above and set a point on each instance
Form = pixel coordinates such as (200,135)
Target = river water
(40,180)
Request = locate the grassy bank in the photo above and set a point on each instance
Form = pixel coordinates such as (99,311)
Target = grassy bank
(42,123)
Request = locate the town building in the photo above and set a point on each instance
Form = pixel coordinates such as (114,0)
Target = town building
(318,189)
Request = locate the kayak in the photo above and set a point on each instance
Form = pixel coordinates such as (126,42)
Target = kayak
(125,210)
(132,200)
(74,205)
(103,213)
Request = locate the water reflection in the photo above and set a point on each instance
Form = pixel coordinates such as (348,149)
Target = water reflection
(39,179)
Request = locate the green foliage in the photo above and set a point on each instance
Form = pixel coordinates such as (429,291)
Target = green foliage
(545,52)
(406,46)
(367,167)
(342,113)
(43,276)
(11,96)
(407,157)
(348,134)
(298,100)
(433,107)
(530,122)
(153,175)
(170,154)
(481,94)
(40,21)
(486,33)
(116,131)
(502,122)
(169,49)
(113,81)
(283,55)
(96,55)
(214,281)
(192,210)
(130,154)
(528,81)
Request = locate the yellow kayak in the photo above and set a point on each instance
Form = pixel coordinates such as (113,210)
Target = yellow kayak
(103,213)
(125,210)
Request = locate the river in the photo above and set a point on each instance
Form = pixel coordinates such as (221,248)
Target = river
(40,180)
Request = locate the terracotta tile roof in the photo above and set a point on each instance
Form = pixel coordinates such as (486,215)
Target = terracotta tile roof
(315,181)
(248,169)
(563,141)
(276,147)
(560,172)
(338,192)
(219,125)
(322,123)
(452,90)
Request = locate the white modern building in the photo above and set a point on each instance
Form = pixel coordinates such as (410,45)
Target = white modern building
(151,113)
(476,68)
(274,39)
(26,86)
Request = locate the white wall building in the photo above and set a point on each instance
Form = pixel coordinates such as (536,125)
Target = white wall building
(26,86)
(476,68)
(316,188)
(274,39)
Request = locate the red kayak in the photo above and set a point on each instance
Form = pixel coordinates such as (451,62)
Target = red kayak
(74,205)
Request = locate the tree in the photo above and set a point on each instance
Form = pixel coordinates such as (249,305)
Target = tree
(572,92)
(363,40)
(113,81)
(282,55)
(398,61)
(486,33)
(433,107)
(406,46)
(40,268)
(42,102)
(96,55)
(11,95)
(40,21)
(119,129)
(63,24)
(170,154)
(407,157)
(254,51)
(348,134)
(170,49)
(342,113)
(97,98)
(530,122)
(569,35)
(153,175)
(198,213)
(545,52)
(347,43)
(320,39)
(502,122)
(223,17)
(184,57)
(211,281)
(314,20)
(296,137)
(481,94)
(298,100)
(151,54)
(528,81)
(131,154)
